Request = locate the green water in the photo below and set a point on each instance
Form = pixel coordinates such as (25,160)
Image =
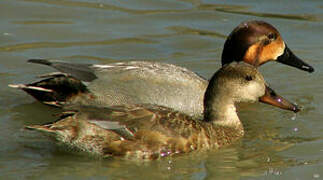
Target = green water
(188,33)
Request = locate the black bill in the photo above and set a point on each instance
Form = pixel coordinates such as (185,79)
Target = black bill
(290,59)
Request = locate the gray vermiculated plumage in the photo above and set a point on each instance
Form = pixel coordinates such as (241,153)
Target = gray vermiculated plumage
(136,82)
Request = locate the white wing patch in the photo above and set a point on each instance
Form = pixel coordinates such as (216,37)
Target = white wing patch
(102,66)
(116,65)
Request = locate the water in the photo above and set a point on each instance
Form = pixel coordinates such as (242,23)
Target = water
(188,33)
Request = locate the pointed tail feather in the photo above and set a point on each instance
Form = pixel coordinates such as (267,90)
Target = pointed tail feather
(82,72)
(24,86)
(42,128)
(40,61)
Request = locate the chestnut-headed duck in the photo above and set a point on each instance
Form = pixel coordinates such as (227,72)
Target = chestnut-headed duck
(140,82)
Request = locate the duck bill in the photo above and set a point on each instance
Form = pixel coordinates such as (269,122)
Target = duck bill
(290,59)
(274,99)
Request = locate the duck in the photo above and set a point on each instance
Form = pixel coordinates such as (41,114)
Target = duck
(149,131)
(142,82)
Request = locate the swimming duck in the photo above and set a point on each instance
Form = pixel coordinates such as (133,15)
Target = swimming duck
(149,131)
(139,82)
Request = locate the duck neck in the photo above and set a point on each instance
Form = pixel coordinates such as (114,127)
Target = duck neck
(219,107)
(233,51)
(222,112)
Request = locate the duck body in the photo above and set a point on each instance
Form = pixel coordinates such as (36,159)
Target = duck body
(148,131)
(139,82)
(135,82)
(138,132)
(169,86)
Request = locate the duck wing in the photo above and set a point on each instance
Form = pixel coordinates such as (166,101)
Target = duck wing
(127,121)
(123,120)
(134,82)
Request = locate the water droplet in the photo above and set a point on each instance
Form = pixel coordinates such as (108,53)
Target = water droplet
(294,117)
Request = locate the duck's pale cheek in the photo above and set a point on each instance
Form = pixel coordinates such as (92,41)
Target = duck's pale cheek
(250,93)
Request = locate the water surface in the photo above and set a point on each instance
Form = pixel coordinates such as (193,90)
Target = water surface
(188,33)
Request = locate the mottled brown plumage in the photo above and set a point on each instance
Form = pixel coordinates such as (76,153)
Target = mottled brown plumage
(138,132)
(149,131)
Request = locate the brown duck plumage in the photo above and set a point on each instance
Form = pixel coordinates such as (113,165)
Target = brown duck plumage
(150,131)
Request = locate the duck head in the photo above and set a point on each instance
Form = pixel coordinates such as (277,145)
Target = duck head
(257,42)
(234,83)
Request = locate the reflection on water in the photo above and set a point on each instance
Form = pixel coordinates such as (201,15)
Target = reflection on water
(232,162)
(189,33)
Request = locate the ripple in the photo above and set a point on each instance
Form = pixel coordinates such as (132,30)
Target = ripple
(243,10)
(187,30)
(217,7)
(105,6)
(35,45)
(42,22)
(297,139)
(183,30)
(5,74)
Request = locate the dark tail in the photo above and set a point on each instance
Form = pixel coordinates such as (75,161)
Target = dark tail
(40,61)
(55,90)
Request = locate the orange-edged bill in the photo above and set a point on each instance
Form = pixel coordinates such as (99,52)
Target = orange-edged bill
(270,97)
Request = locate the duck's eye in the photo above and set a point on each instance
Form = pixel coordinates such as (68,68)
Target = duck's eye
(266,42)
(248,78)
(272,36)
